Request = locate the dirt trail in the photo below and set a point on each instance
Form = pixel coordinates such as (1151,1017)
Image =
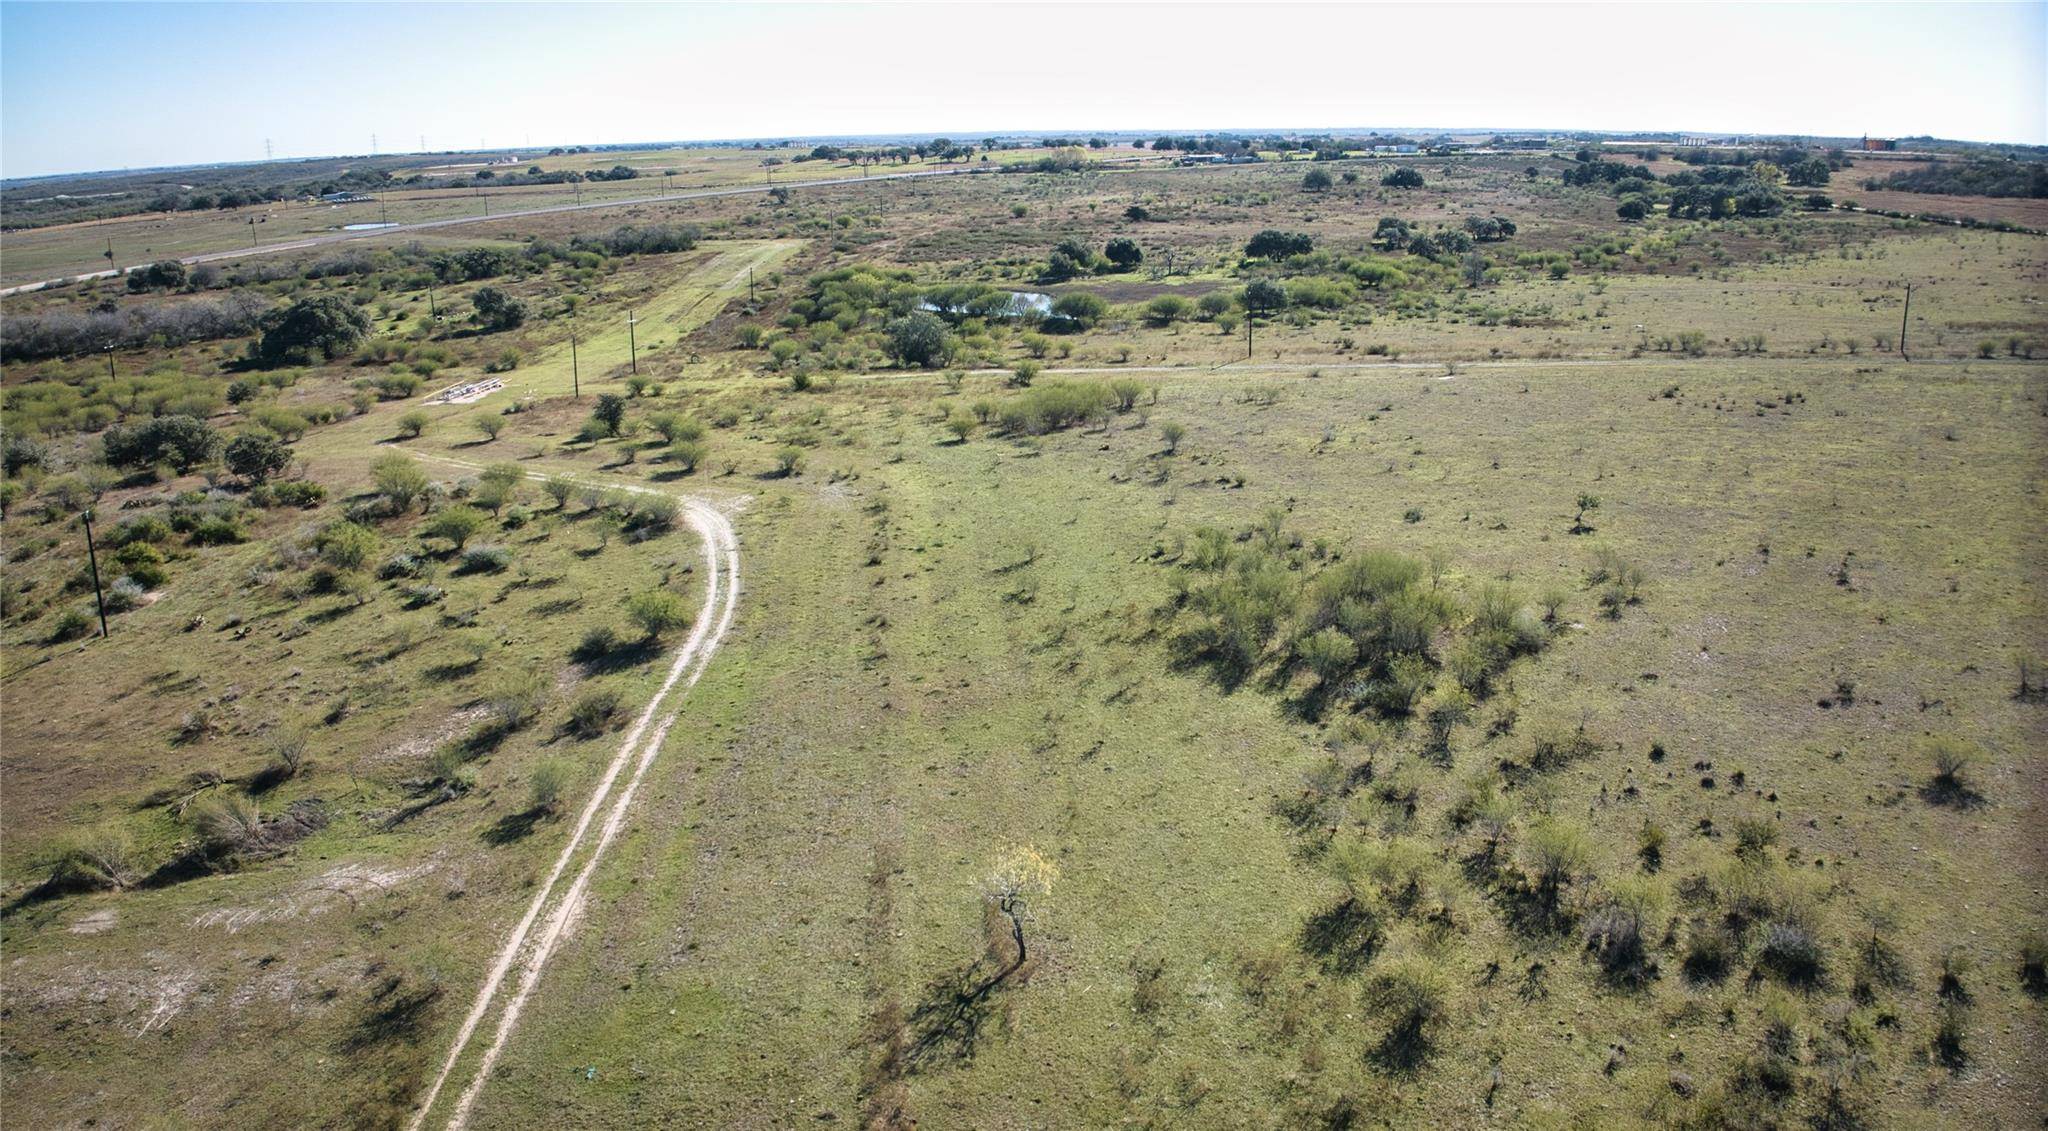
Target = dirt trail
(527,949)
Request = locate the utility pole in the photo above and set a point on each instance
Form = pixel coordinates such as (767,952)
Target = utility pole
(575,372)
(92,555)
(433,308)
(110,361)
(1249,318)
(632,347)
(1902,322)
(750,286)
(252,231)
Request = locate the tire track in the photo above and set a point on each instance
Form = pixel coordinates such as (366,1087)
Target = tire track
(526,951)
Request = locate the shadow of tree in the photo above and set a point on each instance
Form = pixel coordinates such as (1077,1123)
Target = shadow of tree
(514,827)
(395,1011)
(1344,936)
(955,1012)
(1952,794)
(618,658)
(450,672)
(953,1016)
(1405,1048)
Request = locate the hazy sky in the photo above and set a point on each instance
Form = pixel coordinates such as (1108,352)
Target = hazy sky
(107,85)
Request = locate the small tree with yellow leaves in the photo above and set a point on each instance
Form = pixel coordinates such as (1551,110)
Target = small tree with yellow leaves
(1021,880)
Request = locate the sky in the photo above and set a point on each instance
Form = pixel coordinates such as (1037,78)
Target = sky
(90,86)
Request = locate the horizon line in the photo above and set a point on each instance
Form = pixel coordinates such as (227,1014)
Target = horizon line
(1146,134)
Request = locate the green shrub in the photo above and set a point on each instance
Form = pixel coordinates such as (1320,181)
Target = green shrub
(485,559)
(687,454)
(1167,309)
(302,493)
(399,479)
(597,643)
(515,698)
(218,530)
(545,783)
(594,713)
(143,564)
(657,611)
(649,515)
(1555,852)
(1054,406)
(71,624)
(456,524)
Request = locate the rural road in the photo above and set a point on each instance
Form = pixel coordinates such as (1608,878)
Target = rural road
(457,221)
(527,950)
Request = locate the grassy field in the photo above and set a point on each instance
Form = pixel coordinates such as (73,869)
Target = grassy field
(963,651)
(821,879)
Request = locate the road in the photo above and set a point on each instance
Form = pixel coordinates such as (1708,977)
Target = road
(555,910)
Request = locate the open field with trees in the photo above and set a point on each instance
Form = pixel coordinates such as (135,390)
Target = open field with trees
(54,234)
(1330,640)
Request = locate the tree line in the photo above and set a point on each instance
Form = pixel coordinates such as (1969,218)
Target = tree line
(1970,178)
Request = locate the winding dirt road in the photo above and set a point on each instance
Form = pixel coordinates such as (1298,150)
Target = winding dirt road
(556,908)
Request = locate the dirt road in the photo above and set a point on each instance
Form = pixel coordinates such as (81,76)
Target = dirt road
(555,909)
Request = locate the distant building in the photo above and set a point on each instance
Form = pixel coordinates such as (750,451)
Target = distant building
(1879,144)
(1699,142)
(346,198)
(1394,149)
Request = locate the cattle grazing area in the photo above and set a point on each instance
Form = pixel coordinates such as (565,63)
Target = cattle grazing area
(1208,633)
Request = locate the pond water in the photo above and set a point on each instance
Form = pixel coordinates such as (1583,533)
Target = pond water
(365,227)
(1021,304)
